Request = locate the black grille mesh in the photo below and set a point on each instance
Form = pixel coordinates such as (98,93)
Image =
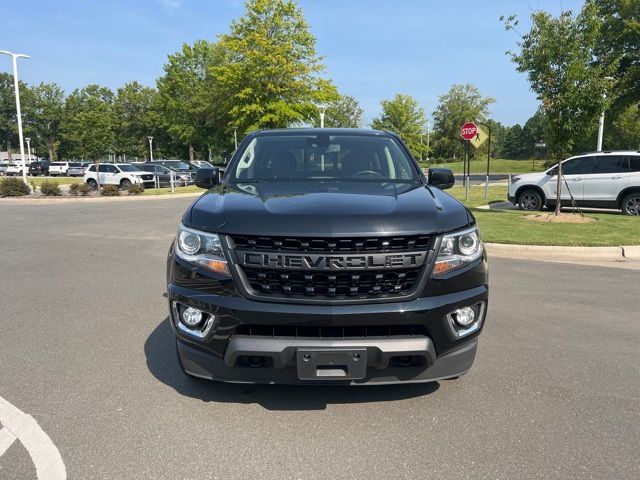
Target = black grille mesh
(328,245)
(331,331)
(331,285)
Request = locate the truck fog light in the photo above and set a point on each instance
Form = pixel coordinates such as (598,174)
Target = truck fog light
(464,316)
(191,317)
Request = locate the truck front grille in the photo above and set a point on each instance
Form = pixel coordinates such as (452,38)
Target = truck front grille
(331,245)
(332,331)
(271,281)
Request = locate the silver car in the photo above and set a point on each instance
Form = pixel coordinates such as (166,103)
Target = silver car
(77,169)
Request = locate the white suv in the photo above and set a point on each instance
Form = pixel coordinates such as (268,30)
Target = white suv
(121,174)
(599,180)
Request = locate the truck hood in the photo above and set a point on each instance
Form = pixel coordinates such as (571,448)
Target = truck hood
(326,209)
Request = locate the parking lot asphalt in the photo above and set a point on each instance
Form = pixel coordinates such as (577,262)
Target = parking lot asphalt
(86,350)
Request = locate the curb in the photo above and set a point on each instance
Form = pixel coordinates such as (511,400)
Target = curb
(49,200)
(545,252)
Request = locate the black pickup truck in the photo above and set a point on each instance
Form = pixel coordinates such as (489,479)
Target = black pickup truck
(326,256)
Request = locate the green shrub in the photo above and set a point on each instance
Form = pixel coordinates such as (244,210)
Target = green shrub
(110,191)
(135,189)
(50,189)
(76,189)
(13,187)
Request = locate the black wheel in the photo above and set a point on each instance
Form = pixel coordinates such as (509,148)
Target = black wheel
(92,184)
(630,204)
(530,200)
(125,183)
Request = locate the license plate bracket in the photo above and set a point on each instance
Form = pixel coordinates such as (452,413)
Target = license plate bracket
(331,363)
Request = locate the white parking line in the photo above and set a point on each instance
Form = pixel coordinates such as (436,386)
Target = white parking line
(21,426)
(6,439)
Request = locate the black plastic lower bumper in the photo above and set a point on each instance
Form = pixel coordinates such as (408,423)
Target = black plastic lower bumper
(204,365)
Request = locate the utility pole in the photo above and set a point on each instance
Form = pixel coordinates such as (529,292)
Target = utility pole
(235,137)
(15,57)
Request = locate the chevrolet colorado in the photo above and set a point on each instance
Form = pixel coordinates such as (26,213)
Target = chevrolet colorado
(326,256)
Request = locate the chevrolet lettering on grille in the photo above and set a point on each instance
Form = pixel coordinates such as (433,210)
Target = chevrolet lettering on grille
(331,262)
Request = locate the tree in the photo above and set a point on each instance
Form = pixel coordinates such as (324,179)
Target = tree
(185,92)
(618,46)
(133,122)
(557,56)
(344,112)
(404,116)
(270,74)
(512,145)
(462,103)
(44,108)
(8,121)
(87,129)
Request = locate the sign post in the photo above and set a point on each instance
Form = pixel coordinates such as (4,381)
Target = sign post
(468,131)
(478,141)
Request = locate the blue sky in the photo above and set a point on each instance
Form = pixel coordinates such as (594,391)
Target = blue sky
(373,49)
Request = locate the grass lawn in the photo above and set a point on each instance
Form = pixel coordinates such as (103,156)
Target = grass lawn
(497,165)
(167,190)
(59,180)
(503,226)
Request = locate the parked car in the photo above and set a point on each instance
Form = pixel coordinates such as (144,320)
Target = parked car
(58,168)
(77,169)
(39,168)
(3,169)
(204,164)
(163,174)
(121,174)
(597,179)
(14,169)
(177,165)
(327,256)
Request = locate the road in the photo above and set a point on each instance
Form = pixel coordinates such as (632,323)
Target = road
(86,350)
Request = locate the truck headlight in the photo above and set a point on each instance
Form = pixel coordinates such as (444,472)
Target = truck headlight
(458,249)
(202,248)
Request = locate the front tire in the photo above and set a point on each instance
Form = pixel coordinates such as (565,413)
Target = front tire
(530,200)
(125,183)
(630,204)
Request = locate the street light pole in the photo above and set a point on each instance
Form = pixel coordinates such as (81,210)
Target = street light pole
(601,122)
(323,110)
(150,148)
(15,57)
(28,140)
(235,137)
(427,139)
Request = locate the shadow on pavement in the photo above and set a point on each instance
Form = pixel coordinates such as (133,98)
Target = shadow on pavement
(160,352)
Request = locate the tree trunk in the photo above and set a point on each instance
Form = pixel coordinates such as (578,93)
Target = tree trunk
(51,151)
(191,153)
(559,190)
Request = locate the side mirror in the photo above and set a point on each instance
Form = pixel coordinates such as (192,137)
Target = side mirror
(206,177)
(441,178)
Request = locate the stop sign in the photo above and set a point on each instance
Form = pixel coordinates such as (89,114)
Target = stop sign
(468,130)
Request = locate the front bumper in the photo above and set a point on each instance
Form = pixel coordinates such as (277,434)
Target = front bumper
(219,354)
(203,365)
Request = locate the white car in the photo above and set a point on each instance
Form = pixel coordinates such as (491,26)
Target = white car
(598,180)
(14,169)
(58,168)
(121,174)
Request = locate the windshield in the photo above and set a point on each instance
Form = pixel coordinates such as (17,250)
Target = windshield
(127,168)
(324,157)
(177,165)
